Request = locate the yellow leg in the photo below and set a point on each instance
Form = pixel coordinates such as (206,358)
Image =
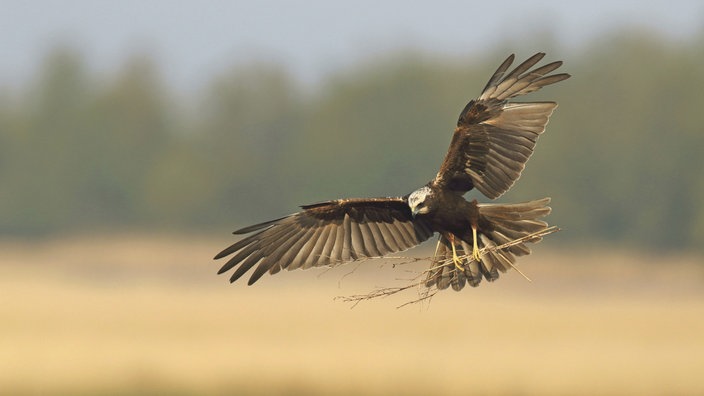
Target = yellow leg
(475,248)
(455,259)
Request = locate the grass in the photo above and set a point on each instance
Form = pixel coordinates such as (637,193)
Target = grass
(140,314)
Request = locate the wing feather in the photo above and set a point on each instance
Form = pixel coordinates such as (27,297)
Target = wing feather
(293,255)
(408,232)
(348,252)
(324,234)
(320,240)
(339,243)
(326,254)
(392,237)
(248,248)
(246,265)
(358,240)
(498,74)
(273,252)
(495,138)
(378,238)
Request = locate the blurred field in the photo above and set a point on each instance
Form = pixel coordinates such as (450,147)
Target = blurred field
(142,314)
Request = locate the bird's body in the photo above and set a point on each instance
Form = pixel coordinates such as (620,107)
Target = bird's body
(449,212)
(489,148)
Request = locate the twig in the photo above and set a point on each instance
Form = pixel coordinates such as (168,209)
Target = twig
(426,293)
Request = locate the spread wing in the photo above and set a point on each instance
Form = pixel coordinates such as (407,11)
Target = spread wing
(494,137)
(324,234)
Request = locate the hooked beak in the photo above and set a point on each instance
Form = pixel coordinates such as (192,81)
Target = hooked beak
(414,212)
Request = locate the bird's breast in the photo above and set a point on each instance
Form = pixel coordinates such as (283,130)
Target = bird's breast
(454,214)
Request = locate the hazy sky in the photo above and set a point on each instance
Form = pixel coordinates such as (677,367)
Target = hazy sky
(192,40)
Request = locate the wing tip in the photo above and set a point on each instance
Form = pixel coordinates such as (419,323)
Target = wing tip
(537,56)
(238,274)
(261,269)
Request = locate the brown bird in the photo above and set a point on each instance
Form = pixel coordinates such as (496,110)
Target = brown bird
(490,146)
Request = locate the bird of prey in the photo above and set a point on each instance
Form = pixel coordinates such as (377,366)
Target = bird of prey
(493,140)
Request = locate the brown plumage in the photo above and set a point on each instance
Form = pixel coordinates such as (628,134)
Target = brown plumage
(504,223)
(494,138)
(327,233)
(490,146)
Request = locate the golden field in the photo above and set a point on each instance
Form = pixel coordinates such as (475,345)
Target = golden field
(144,314)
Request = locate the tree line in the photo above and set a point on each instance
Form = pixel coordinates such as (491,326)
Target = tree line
(622,157)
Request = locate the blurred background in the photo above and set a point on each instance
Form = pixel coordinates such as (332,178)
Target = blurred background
(134,136)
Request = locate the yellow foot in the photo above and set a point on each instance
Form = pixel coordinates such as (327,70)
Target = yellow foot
(455,259)
(475,248)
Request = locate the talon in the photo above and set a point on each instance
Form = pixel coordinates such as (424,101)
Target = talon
(475,248)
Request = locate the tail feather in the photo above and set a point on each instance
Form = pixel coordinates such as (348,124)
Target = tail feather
(505,223)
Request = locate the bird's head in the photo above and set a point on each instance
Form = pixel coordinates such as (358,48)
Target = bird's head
(420,201)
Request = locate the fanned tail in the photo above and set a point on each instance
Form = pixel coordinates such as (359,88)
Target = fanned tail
(502,223)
